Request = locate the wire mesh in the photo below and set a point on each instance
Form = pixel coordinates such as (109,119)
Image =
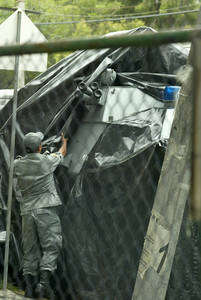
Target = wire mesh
(116,106)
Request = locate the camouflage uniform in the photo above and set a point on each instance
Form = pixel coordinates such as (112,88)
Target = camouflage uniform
(41,228)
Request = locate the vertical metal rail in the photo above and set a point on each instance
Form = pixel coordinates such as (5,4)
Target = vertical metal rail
(12,153)
(196,153)
(21,76)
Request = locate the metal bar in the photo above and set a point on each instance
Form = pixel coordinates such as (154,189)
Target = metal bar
(196,153)
(138,40)
(12,152)
(21,73)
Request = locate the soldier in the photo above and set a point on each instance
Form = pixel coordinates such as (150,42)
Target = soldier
(41,228)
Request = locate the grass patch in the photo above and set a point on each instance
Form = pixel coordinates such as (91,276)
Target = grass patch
(12,288)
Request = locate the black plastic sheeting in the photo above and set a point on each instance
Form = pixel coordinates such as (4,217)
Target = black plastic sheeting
(108,213)
(107,204)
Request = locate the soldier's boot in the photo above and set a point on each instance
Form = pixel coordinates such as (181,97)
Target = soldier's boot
(31,283)
(43,288)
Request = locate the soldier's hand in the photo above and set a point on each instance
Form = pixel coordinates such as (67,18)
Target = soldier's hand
(64,140)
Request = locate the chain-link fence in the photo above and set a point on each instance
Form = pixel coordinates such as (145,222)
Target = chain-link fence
(125,233)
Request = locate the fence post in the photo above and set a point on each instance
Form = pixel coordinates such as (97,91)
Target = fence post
(167,214)
(21,76)
(196,154)
(12,153)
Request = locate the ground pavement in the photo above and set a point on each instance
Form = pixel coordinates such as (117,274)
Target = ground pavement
(8,295)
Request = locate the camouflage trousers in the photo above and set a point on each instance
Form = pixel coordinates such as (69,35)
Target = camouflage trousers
(42,240)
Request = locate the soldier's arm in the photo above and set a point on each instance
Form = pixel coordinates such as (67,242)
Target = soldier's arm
(54,159)
(63,149)
(15,182)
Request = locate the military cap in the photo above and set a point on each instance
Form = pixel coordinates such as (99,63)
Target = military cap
(32,140)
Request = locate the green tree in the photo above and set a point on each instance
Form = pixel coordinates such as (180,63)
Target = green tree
(81,13)
(170,21)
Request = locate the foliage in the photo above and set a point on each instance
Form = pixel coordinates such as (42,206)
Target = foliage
(81,13)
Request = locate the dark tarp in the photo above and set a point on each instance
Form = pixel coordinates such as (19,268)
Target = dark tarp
(108,213)
(108,199)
